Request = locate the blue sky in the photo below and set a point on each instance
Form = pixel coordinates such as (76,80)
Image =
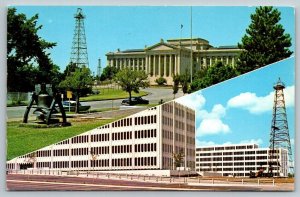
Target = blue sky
(240,110)
(125,27)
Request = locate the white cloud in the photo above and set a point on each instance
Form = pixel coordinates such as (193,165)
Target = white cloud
(211,122)
(252,141)
(292,140)
(211,127)
(195,101)
(256,104)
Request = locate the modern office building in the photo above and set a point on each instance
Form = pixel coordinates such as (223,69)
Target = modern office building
(165,59)
(239,160)
(142,141)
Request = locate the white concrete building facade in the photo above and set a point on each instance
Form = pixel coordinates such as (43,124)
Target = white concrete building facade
(142,141)
(171,57)
(239,160)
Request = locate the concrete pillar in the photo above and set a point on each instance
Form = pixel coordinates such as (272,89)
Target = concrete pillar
(233,61)
(159,65)
(154,65)
(179,65)
(227,60)
(170,65)
(165,65)
(175,64)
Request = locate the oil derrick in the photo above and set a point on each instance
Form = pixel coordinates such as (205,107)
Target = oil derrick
(279,136)
(79,54)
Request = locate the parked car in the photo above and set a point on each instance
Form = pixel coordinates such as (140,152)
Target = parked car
(72,106)
(135,100)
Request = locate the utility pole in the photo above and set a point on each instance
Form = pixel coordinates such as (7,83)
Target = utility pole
(191,44)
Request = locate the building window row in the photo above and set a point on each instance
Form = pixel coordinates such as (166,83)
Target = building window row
(149,133)
(179,112)
(100,150)
(179,137)
(167,148)
(61,152)
(190,116)
(122,149)
(63,142)
(145,161)
(79,151)
(104,126)
(121,162)
(190,140)
(145,120)
(80,139)
(79,164)
(167,134)
(122,135)
(122,123)
(43,153)
(43,164)
(145,147)
(167,121)
(190,128)
(179,124)
(167,108)
(60,164)
(100,163)
(100,137)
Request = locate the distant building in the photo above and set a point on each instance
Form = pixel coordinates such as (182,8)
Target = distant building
(165,59)
(142,141)
(239,160)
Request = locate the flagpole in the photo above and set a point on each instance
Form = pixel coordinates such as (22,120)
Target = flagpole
(191,45)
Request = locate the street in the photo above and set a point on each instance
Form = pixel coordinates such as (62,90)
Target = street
(154,96)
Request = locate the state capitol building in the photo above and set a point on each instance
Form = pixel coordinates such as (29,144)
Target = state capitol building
(165,59)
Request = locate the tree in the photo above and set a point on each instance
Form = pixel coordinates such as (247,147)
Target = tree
(265,41)
(132,80)
(214,74)
(178,158)
(108,73)
(78,82)
(184,81)
(176,81)
(28,62)
(161,81)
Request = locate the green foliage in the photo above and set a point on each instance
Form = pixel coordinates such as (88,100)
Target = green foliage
(132,80)
(78,82)
(161,81)
(176,81)
(184,81)
(108,73)
(213,75)
(28,63)
(265,41)
(178,158)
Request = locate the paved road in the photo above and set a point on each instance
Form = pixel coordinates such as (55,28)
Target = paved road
(154,96)
(47,182)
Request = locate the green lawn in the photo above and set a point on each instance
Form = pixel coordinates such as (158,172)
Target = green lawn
(21,140)
(108,94)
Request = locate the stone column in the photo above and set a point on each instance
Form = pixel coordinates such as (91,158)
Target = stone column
(154,65)
(178,65)
(159,65)
(165,65)
(146,64)
(233,61)
(210,62)
(227,60)
(204,61)
(175,64)
(170,65)
(111,62)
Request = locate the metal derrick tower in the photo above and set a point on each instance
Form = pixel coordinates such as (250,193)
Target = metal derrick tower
(279,136)
(79,54)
